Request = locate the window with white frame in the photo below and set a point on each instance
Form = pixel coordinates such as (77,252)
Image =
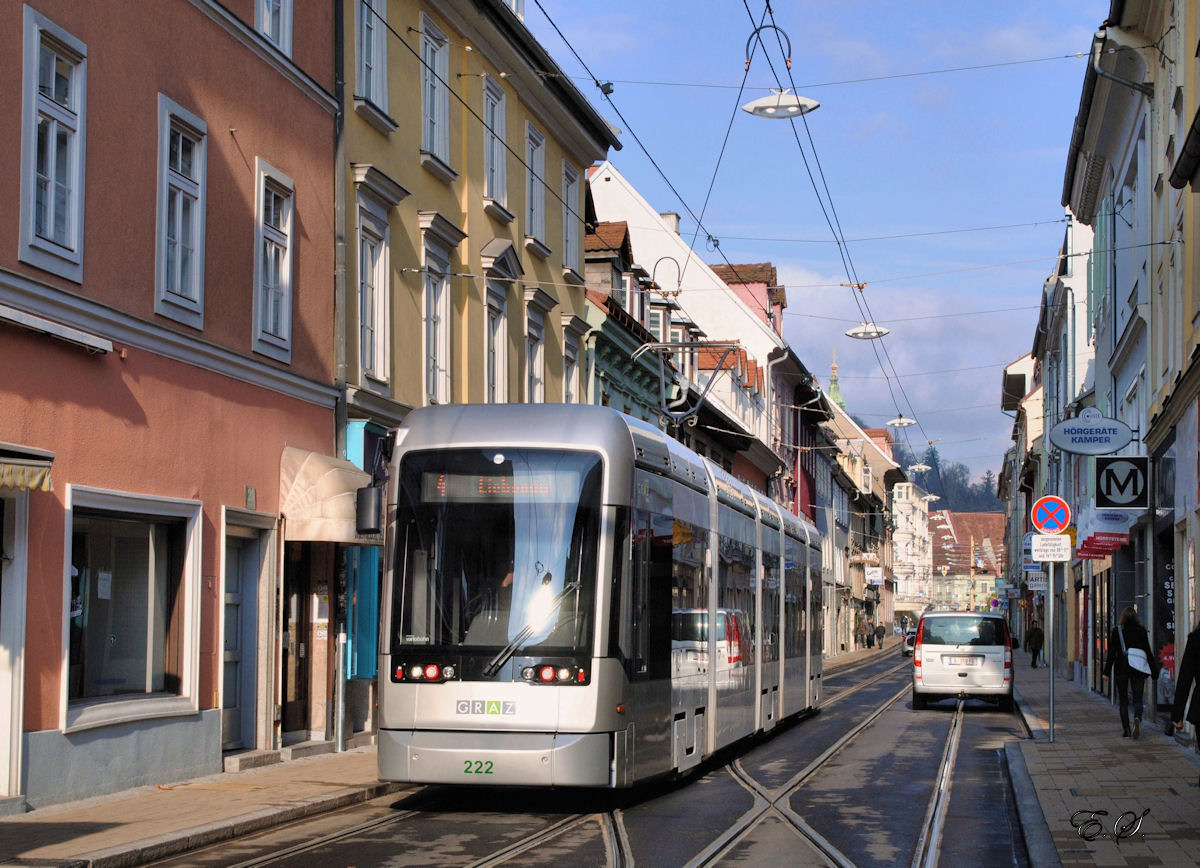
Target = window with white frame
(374,297)
(435,97)
(677,336)
(654,322)
(372,52)
(495,351)
(273,264)
(495,154)
(182,138)
(437,326)
(621,289)
(52,149)
(570,369)
(535,190)
(131,606)
(538,304)
(575,329)
(535,359)
(571,218)
(273,19)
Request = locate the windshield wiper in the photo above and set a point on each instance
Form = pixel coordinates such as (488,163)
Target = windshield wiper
(506,653)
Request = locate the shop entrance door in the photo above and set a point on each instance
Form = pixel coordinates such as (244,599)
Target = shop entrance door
(296,653)
(240,663)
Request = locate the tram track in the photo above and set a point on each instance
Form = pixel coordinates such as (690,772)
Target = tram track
(929,844)
(768,801)
(619,852)
(772,816)
(316,843)
(775,802)
(863,685)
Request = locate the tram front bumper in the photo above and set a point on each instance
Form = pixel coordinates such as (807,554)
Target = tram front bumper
(495,758)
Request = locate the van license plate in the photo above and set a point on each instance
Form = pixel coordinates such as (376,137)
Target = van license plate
(962,661)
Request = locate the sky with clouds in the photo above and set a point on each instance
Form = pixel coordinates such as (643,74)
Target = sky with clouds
(937,154)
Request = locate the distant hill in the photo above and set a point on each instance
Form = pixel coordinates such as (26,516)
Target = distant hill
(952,482)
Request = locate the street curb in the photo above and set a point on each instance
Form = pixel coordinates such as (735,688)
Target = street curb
(174,843)
(1039,845)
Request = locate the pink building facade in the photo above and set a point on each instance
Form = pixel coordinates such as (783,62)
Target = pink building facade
(167,391)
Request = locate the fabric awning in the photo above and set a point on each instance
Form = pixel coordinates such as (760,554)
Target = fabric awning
(25,468)
(317,497)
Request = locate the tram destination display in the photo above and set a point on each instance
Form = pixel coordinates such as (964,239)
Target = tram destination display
(498,487)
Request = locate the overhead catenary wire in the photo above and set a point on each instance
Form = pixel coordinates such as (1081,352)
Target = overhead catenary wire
(868,79)
(830,212)
(607,95)
(547,187)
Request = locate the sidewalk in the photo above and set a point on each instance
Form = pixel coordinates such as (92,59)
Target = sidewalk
(147,823)
(1090,767)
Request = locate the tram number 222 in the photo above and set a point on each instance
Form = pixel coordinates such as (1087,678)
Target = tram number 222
(477,767)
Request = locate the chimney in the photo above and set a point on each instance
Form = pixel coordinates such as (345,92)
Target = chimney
(672,220)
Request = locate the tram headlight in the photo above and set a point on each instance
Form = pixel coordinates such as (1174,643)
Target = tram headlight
(447,672)
(416,672)
(554,673)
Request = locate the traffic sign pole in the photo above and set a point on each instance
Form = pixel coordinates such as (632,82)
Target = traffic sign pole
(1051,515)
(1050,642)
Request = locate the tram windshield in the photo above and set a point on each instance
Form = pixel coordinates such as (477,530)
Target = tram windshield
(496,549)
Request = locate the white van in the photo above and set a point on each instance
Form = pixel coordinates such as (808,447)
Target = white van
(689,641)
(962,655)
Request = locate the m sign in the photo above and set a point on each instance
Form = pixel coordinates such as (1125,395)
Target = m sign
(1123,482)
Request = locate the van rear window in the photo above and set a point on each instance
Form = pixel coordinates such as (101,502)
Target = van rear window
(964,630)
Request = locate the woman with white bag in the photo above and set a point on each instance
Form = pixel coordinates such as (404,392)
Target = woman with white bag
(1129,653)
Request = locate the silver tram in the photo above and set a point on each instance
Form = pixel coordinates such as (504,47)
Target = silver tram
(572,598)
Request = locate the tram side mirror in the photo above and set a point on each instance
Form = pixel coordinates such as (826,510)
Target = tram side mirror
(368,510)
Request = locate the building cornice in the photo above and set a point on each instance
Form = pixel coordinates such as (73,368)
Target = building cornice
(120,327)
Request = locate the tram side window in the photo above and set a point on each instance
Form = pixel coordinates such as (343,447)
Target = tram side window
(818,608)
(689,591)
(797,600)
(735,581)
(620,616)
(651,598)
(770,609)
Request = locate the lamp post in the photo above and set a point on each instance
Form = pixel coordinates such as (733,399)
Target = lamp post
(779,103)
(867,331)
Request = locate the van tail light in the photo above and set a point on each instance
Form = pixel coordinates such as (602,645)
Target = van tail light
(732,629)
(917,644)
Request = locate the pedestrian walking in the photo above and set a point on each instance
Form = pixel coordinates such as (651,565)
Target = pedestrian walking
(1189,677)
(870,634)
(860,634)
(880,632)
(1130,655)
(1033,642)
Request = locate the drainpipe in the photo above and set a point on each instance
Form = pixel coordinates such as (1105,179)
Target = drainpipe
(339,341)
(589,342)
(771,402)
(1098,43)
